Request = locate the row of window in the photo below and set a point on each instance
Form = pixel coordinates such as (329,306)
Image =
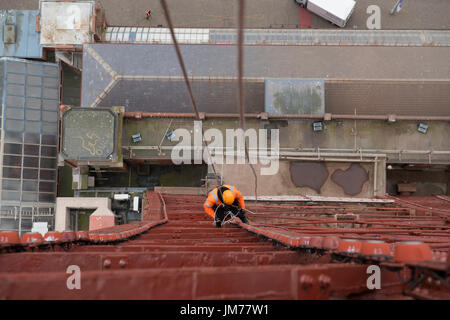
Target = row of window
(31,80)
(32,92)
(36,103)
(16,161)
(18,67)
(29,149)
(30,126)
(31,174)
(31,138)
(28,196)
(31,115)
(28,185)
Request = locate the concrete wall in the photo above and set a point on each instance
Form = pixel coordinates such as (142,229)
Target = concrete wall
(64,204)
(337,134)
(283,182)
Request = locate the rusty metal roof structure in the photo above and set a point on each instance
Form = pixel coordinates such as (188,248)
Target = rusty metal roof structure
(289,250)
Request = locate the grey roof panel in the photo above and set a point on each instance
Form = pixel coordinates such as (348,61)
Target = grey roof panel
(130,65)
(172,96)
(294,96)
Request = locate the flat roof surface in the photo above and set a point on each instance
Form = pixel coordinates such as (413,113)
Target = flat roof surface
(66,22)
(148,77)
(26,39)
(88,134)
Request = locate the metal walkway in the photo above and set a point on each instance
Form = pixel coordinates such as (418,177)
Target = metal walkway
(300,37)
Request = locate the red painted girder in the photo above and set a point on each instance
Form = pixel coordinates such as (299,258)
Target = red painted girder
(211,230)
(193,242)
(263,282)
(228,247)
(200,237)
(57,262)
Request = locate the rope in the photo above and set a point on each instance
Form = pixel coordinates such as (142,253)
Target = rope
(224,221)
(186,79)
(240,87)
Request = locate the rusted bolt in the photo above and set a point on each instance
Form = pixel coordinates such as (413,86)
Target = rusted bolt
(324,281)
(107,263)
(306,281)
(122,263)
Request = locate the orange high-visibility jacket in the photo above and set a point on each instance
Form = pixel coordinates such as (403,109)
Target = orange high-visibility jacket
(213,199)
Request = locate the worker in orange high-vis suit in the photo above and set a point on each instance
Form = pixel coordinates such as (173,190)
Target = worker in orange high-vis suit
(224,200)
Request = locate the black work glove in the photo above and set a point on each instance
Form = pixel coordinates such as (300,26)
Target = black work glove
(242,216)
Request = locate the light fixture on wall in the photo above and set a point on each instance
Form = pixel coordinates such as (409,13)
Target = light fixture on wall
(422,128)
(318,126)
(136,137)
(392,118)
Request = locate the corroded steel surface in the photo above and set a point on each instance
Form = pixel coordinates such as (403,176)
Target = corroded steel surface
(288,251)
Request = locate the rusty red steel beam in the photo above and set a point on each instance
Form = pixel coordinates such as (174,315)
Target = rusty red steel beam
(89,261)
(444,198)
(320,215)
(361,227)
(328,208)
(366,231)
(377,206)
(192,241)
(299,215)
(421,204)
(263,282)
(172,251)
(169,228)
(331,208)
(219,247)
(293,239)
(367,235)
(364,210)
(401,224)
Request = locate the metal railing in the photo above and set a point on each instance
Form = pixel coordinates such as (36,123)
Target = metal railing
(14,215)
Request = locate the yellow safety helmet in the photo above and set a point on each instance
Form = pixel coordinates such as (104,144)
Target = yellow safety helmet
(228,197)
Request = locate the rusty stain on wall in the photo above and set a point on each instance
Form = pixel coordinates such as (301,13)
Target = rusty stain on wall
(352,179)
(309,174)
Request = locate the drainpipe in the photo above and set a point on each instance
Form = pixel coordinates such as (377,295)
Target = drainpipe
(139,115)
